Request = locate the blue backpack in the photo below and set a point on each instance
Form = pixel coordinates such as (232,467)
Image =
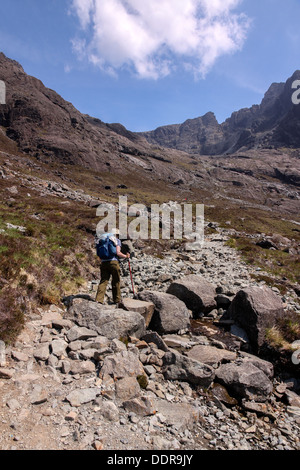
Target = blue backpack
(106,248)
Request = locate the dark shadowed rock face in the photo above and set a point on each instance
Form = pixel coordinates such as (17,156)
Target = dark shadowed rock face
(46,126)
(256,309)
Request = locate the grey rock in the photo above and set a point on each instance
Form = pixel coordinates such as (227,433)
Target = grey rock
(80,333)
(54,319)
(39,395)
(266,366)
(293,398)
(154,337)
(13,404)
(80,396)
(2,354)
(110,411)
(180,367)
(211,355)
(180,415)
(127,388)
(197,293)
(255,309)
(53,361)
(178,341)
(65,366)
(170,314)
(19,356)
(294,412)
(42,352)
(144,308)
(149,370)
(120,365)
(141,406)
(59,347)
(113,323)
(99,342)
(79,367)
(90,354)
(116,346)
(245,380)
(262,409)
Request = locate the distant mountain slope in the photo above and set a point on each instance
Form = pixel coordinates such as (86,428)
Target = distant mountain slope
(48,127)
(273,123)
(177,163)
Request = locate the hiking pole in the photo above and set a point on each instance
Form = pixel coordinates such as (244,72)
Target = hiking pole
(131,277)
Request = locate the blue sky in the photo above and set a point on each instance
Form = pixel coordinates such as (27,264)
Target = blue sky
(156,62)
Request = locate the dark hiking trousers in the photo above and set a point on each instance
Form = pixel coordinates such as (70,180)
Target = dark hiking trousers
(109,269)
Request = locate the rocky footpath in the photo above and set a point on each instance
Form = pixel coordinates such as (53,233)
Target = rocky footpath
(175,367)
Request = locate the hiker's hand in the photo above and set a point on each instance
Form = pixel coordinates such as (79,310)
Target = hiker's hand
(128,255)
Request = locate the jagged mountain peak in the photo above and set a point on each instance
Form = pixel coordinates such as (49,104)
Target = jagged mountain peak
(263,125)
(6,62)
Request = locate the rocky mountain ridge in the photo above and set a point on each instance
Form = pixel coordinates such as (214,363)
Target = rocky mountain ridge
(272,124)
(46,127)
(49,128)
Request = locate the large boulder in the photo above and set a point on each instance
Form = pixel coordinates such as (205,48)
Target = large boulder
(210,354)
(266,366)
(182,368)
(113,323)
(255,309)
(197,294)
(245,380)
(144,308)
(121,365)
(180,415)
(170,314)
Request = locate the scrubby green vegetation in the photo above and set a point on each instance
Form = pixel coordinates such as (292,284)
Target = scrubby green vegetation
(50,256)
(279,264)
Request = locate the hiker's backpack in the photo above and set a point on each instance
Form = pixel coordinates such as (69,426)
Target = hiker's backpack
(106,247)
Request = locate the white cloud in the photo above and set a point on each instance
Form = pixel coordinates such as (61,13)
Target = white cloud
(83,9)
(151,37)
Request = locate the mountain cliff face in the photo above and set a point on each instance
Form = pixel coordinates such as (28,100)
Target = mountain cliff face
(48,127)
(250,168)
(273,123)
